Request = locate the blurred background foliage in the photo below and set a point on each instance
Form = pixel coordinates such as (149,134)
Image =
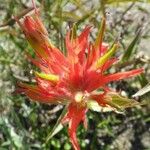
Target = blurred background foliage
(24,124)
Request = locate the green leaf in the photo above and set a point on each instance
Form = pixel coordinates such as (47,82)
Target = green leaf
(142,79)
(143,91)
(58,126)
(100,34)
(129,51)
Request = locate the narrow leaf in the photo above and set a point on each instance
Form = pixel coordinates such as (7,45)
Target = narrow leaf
(58,126)
(130,49)
(142,79)
(143,91)
(100,35)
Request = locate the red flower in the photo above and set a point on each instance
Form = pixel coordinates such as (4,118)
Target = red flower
(73,78)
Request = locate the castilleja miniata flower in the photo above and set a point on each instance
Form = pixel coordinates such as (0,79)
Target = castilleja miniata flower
(73,79)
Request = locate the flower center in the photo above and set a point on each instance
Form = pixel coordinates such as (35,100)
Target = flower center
(79,97)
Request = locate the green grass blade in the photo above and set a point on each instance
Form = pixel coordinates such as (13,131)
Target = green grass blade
(143,91)
(129,51)
(58,126)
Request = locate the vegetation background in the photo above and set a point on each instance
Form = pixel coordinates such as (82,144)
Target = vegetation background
(24,125)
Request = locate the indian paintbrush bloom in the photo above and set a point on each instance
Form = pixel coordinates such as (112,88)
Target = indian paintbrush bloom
(77,79)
